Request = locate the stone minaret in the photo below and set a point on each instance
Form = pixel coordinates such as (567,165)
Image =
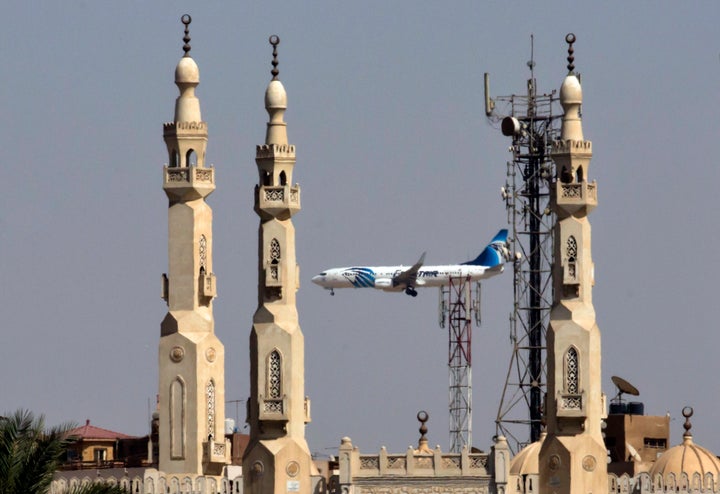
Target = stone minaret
(191,357)
(277,459)
(573,456)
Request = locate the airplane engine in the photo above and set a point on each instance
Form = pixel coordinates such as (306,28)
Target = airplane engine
(383,283)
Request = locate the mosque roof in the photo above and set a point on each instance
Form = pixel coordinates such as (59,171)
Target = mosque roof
(88,431)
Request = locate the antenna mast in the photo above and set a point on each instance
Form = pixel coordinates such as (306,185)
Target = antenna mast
(531,123)
(458,301)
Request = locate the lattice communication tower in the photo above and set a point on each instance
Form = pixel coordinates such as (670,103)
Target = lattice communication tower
(532,121)
(459,301)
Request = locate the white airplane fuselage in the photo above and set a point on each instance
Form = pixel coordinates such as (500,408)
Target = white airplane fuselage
(407,278)
(381,277)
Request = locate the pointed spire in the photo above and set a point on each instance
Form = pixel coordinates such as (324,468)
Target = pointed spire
(570,39)
(687,412)
(423,447)
(186,19)
(275,102)
(274,41)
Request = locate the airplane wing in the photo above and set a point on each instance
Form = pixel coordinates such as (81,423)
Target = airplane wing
(408,277)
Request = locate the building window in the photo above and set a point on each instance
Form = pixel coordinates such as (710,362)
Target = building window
(99,455)
(202,253)
(571,249)
(655,443)
(210,392)
(274,375)
(571,371)
(274,251)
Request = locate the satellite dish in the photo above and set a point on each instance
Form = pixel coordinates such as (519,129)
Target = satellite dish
(624,386)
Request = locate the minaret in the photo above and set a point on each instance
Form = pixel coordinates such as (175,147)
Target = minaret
(277,458)
(191,357)
(573,456)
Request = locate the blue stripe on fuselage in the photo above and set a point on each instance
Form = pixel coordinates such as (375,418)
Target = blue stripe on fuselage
(360,277)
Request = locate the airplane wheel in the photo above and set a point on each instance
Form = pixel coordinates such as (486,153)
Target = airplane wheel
(414,293)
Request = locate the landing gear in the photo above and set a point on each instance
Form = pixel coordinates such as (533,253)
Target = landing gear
(411,291)
(332,292)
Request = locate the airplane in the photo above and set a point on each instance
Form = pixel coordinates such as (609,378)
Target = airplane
(400,278)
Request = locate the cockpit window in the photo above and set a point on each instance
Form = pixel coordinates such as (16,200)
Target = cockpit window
(324,273)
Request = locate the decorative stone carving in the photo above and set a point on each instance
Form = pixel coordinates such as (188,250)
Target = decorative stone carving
(292,468)
(258,468)
(177,353)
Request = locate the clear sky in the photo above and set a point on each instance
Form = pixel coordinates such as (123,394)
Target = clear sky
(395,157)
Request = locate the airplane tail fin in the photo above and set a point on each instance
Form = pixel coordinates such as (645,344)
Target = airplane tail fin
(495,253)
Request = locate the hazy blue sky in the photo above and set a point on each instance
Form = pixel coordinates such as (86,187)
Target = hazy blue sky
(395,157)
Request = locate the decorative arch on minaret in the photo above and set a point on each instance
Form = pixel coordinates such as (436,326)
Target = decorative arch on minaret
(174,158)
(178,398)
(274,375)
(572,371)
(571,254)
(566,175)
(191,158)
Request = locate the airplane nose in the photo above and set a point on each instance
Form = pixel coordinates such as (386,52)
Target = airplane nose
(318,278)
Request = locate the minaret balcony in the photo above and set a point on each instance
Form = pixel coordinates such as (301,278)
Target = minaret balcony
(273,409)
(571,405)
(216,453)
(208,285)
(572,197)
(188,182)
(281,201)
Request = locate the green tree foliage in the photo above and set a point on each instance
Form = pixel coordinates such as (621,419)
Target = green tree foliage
(30,454)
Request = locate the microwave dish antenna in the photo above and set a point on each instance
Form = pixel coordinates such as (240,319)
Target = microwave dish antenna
(624,387)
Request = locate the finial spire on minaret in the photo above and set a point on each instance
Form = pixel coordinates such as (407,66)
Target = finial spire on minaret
(187,77)
(423,447)
(186,19)
(274,41)
(687,412)
(275,102)
(570,39)
(571,98)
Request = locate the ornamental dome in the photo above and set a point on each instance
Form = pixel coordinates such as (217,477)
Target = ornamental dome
(526,462)
(187,71)
(686,459)
(571,91)
(275,95)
